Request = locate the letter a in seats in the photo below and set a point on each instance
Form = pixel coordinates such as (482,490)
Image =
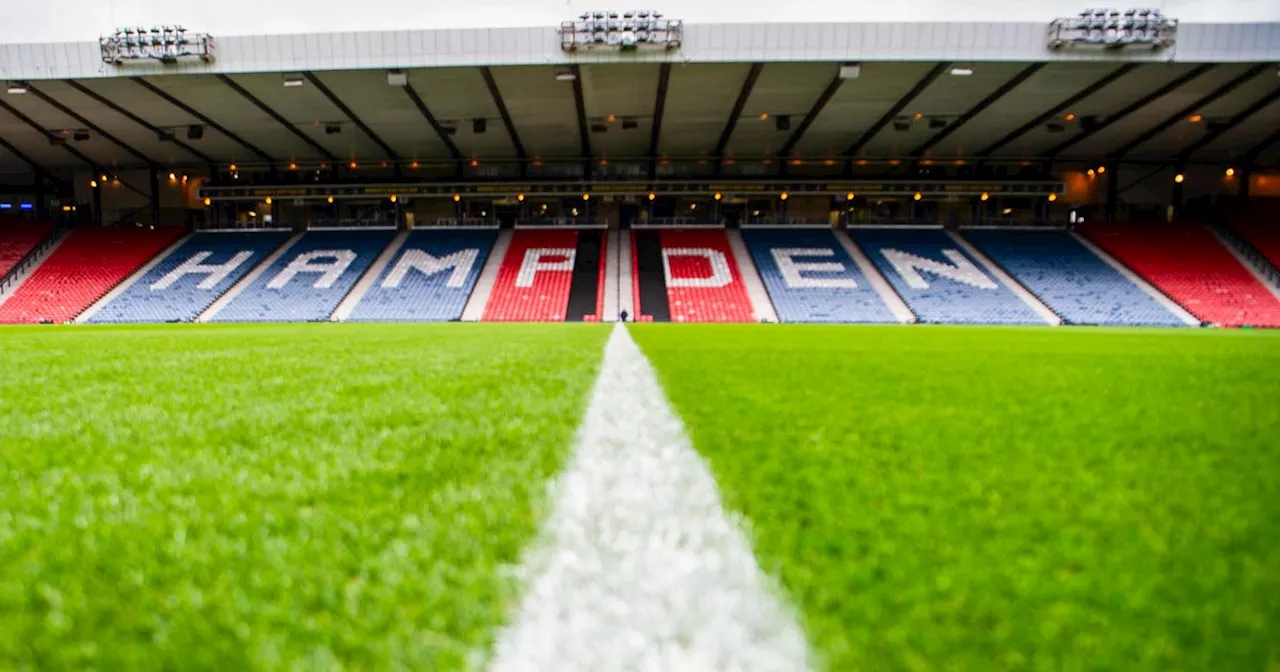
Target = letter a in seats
(329,264)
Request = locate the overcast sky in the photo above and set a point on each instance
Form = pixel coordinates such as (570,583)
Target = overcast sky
(76,20)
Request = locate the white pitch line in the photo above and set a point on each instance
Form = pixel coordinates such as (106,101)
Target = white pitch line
(638,566)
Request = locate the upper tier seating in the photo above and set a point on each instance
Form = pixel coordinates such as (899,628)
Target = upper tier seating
(702,277)
(187,281)
(1186,262)
(308,281)
(17,238)
(85,266)
(810,277)
(1069,278)
(430,278)
(535,277)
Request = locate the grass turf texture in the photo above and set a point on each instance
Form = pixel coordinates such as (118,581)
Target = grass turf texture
(969,499)
(265,497)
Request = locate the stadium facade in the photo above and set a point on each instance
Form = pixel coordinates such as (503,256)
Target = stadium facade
(810,172)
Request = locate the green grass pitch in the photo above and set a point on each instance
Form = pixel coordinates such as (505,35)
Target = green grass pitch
(325,496)
(232,498)
(970,499)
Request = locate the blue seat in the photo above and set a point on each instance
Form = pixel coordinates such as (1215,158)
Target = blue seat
(309,280)
(810,277)
(1069,278)
(429,280)
(938,280)
(191,278)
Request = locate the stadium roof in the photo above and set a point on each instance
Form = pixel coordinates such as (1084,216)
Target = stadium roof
(1216,97)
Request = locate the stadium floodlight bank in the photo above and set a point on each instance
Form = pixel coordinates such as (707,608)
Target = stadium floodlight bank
(625,31)
(167,44)
(1114,29)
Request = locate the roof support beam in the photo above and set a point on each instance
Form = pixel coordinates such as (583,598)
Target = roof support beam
(88,124)
(337,102)
(738,105)
(1233,122)
(982,105)
(160,133)
(1190,109)
(1059,108)
(897,109)
(490,82)
(169,98)
(1130,109)
(35,167)
(279,119)
(584,137)
(52,137)
(1254,152)
(659,108)
(433,122)
(814,111)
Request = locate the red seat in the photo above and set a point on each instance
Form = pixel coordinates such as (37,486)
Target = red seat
(1186,262)
(542,293)
(1263,236)
(17,239)
(703,280)
(84,267)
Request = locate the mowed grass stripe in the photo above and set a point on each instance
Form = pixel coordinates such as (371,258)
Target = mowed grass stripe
(263,497)
(638,567)
(977,498)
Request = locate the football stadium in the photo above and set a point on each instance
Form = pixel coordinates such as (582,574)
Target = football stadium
(810,338)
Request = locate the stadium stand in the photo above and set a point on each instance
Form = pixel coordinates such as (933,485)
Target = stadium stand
(586,290)
(810,278)
(308,282)
(1186,262)
(87,265)
(17,239)
(1263,237)
(1070,279)
(648,278)
(430,278)
(535,278)
(700,277)
(187,281)
(939,282)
